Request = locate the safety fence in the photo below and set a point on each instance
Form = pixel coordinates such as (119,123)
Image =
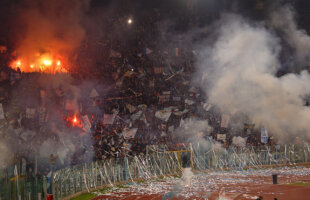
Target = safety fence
(158,161)
(22,188)
(250,157)
(84,177)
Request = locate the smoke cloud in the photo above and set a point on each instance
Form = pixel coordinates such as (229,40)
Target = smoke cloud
(50,27)
(238,75)
(50,130)
(5,155)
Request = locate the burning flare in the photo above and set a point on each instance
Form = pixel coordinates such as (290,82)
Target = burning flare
(74,121)
(45,63)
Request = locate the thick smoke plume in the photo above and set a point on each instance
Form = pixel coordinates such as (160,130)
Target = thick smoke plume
(193,130)
(52,133)
(239,77)
(50,27)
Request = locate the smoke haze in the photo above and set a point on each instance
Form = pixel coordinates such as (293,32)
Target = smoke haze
(239,76)
(51,27)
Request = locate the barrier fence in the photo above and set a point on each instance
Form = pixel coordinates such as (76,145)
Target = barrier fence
(157,162)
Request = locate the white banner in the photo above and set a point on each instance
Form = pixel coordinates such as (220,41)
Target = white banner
(86,123)
(30,113)
(264,135)
(108,118)
(1,112)
(221,137)
(225,121)
(163,115)
(130,133)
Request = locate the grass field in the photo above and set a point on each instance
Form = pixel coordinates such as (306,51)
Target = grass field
(306,184)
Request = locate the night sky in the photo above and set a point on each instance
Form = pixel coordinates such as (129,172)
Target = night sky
(169,8)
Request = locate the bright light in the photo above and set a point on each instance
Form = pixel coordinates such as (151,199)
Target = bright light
(31,66)
(47,62)
(129,21)
(74,120)
(18,63)
(58,63)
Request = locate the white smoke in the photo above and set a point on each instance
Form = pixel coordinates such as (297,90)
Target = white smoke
(194,131)
(239,141)
(5,155)
(187,177)
(239,76)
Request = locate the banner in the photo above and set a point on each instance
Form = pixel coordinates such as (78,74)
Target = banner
(136,116)
(248,128)
(130,133)
(158,70)
(131,108)
(163,115)
(225,121)
(221,137)
(30,113)
(176,98)
(239,141)
(42,115)
(177,52)
(164,97)
(189,102)
(207,106)
(86,123)
(264,135)
(93,93)
(108,118)
(147,51)
(115,54)
(1,112)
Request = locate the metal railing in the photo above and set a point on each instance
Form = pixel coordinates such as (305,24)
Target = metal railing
(85,177)
(157,162)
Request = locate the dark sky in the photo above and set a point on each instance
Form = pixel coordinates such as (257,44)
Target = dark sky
(169,7)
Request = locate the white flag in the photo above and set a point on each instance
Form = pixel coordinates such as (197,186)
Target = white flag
(1,112)
(108,118)
(163,115)
(93,93)
(86,123)
(207,106)
(131,108)
(30,113)
(221,137)
(225,121)
(130,133)
(264,135)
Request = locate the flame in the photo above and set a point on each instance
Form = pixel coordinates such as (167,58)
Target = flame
(18,63)
(45,63)
(74,121)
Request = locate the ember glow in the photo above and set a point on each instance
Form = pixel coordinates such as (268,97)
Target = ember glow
(47,62)
(39,63)
(74,121)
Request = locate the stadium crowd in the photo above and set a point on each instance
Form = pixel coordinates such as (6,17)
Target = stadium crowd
(150,96)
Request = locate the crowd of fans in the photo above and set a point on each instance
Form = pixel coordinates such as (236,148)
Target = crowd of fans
(150,96)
